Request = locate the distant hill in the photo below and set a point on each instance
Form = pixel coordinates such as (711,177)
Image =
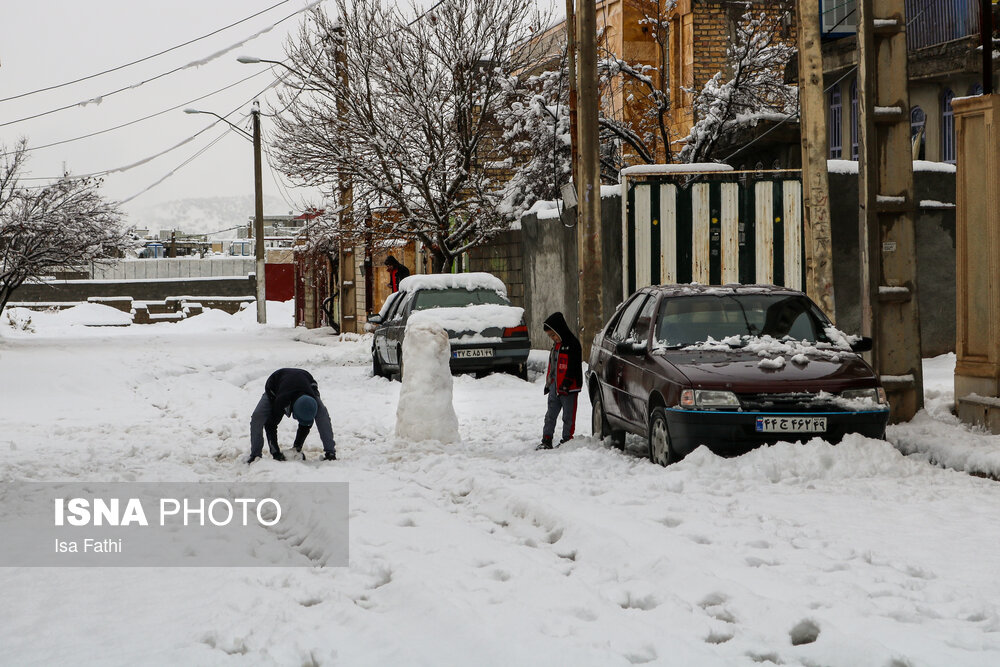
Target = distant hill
(201,215)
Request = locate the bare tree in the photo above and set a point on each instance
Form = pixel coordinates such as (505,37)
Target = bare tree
(754,88)
(537,136)
(63,224)
(404,112)
(644,88)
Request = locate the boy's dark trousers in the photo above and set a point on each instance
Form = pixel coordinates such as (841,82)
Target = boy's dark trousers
(567,404)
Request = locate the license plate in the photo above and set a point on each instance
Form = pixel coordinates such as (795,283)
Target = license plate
(473,353)
(791,424)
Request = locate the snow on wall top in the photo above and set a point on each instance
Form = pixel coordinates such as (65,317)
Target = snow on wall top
(469,318)
(469,281)
(851,166)
(675,168)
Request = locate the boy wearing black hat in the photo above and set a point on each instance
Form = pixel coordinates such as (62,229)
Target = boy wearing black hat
(292,392)
(563,380)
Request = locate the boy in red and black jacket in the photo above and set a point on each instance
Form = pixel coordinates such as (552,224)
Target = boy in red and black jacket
(563,379)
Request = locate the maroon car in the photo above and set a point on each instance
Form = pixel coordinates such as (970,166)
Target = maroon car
(731,368)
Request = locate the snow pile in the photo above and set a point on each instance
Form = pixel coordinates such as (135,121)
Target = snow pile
(772,349)
(468,281)
(23,321)
(425,410)
(546,209)
(937,436)
(774,364)
(471,318)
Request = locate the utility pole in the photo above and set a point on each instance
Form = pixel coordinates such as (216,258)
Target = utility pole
(588,193)
(886,208)
(815,180)
(258,225)
(348,271)
(571,71)
(986,39)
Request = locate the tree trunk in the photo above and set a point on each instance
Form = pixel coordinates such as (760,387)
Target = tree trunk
(442,262)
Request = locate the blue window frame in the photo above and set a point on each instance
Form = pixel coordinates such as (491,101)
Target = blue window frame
(947,128)
(835,123)
(854,119)
(918,123)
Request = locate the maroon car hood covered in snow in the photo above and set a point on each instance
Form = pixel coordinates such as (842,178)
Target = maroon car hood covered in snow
(741,372)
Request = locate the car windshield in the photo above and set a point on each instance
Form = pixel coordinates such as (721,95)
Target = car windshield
(456,298)
(689,320)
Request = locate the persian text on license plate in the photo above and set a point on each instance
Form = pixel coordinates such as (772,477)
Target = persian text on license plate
(473,353)
(791,424)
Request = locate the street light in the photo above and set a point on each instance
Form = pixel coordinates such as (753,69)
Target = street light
(258,225)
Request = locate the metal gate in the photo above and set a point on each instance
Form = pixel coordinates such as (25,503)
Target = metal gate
(712,228)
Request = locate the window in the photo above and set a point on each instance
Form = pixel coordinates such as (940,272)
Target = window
(854,120)
(947,128)
(977,89)
(640,330)
(918,121)
(624,326)
(834,123)
(695,319)
(839,16)
(456,298)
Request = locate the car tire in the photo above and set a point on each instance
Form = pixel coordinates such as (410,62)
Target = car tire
(600,426)
(377,370)
(400,374)
(522,371)
(658,435)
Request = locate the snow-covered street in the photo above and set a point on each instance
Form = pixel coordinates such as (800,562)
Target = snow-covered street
(488,552)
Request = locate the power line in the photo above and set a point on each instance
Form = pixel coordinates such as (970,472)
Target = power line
(196,63)
(137,120)
(141,60)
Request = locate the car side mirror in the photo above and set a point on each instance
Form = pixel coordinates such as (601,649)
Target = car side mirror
(375,319)
(629,347)
(863,345)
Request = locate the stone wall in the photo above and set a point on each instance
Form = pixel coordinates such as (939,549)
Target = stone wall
(551,267)
(139,290)
(935,240)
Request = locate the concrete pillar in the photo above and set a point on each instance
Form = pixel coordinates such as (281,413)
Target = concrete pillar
(977,261)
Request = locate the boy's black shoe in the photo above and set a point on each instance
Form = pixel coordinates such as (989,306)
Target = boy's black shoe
(546,443)
(299,454)
(278,456)
(564,440)
(252,459)
(329,456)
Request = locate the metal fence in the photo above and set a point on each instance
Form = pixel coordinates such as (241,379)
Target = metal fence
(931,22)
(714,229)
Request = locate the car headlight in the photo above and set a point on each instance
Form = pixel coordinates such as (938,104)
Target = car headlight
(875,395)
(709,398)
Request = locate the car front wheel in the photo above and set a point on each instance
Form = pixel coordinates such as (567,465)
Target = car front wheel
(660,450)
(599,423)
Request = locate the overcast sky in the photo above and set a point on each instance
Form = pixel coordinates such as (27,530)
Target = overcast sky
(48,43)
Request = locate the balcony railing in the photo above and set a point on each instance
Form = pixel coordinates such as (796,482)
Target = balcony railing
(931,22)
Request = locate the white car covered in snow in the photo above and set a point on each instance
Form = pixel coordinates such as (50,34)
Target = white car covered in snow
(486,332)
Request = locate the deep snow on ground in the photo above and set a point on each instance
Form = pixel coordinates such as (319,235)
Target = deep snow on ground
(487,552)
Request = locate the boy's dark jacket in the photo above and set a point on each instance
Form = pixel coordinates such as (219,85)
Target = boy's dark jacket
(284,387)
(567,357)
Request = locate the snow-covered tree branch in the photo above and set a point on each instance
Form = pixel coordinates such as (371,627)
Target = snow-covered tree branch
(404,111)
(63,224)
(754,87)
